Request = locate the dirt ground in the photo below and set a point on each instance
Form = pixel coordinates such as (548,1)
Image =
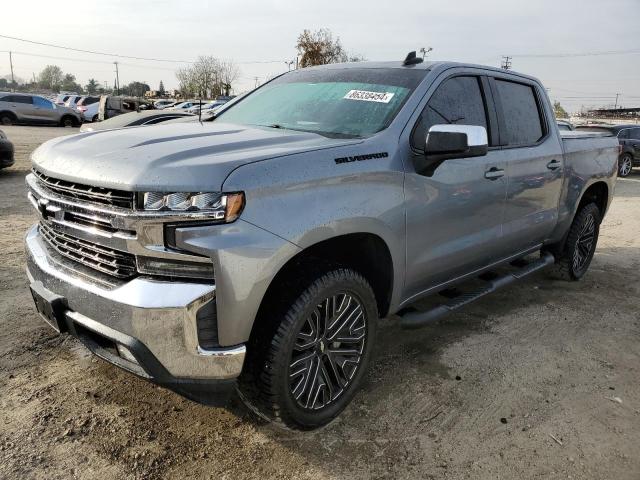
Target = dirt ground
(540,380)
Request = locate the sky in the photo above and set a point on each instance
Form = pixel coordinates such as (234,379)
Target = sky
(260,35)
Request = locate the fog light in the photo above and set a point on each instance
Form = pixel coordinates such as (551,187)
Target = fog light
(125,353)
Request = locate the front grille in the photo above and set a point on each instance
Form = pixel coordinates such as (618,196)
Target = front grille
(77,191)
(103,259)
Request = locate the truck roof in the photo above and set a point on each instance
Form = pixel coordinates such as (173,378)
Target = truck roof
(426,66)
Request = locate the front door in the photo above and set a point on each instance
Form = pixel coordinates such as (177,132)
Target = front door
(453,213)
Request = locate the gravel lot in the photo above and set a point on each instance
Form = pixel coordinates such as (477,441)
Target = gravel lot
(541,380)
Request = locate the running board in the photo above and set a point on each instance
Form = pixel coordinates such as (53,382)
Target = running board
(414,319)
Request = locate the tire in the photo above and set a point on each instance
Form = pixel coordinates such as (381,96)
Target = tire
(574,260)
(67,122)
(296,346)
(625,164)
(7,119)
(94,119)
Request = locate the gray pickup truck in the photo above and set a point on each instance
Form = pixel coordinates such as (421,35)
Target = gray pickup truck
(257,252)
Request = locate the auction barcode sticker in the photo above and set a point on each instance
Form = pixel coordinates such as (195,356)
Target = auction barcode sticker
(381,97)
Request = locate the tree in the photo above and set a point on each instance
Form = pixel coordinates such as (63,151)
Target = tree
(135,89)
(92,86)
(208,77)
(319,48)
(50,77)
(229,73)
(161,88)
(69,83)
(559,111)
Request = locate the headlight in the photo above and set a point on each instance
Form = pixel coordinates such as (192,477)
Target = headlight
(227,206)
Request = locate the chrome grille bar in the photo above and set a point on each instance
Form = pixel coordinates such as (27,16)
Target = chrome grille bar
(105,196)
(102,259)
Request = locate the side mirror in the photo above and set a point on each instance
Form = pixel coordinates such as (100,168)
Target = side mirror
(456,141)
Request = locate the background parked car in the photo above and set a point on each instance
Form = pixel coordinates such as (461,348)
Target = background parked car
(149,117)
(6,151)
(88,107)
(72,101)
(34,109)
(161,104)
(63,97)
(565,126)
(205,106)
(185,105)
(629,138)
(111,106)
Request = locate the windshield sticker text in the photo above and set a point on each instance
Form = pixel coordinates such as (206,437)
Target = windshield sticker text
(363,95)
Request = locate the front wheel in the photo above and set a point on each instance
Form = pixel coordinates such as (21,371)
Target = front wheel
(304,372)
(576,256)
(625,164)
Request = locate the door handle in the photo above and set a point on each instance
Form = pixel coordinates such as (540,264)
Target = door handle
(553,165)
(494,173)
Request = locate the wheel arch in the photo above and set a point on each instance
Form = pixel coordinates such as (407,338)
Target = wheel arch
(364,252)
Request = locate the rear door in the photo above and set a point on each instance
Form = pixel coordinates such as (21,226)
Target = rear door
(454,212)
(532,149)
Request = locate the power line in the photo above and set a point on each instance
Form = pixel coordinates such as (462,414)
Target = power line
(583,54)
(107,54)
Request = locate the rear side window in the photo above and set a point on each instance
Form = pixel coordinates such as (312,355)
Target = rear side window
(457,100)
(88,101)
(522,117)
(17,99)
(634,133)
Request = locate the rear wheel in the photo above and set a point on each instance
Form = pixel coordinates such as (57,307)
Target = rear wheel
(95,118)
(7,119)
(625,164)
(575,258)
(305,369)
(67,122)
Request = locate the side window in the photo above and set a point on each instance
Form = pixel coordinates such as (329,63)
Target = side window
(624,133)
(17,99)
(457,100)
(634,134)
(42,103)
(522,117)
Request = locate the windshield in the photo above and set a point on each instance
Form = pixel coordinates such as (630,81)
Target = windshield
(348,102)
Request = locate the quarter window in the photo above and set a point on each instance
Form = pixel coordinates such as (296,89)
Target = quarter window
(42,103)
(456,101)
(522,119)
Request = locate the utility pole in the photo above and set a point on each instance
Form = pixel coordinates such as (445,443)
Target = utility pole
(616,107)
(256,85)
(13,82)
(424,51)
(117,79)
(506,62)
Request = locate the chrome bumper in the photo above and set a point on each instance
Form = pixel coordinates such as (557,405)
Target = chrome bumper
(159,314)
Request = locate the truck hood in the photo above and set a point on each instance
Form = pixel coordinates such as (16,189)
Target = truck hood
(172,157)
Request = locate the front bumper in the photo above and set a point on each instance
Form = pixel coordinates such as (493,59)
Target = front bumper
(154,319)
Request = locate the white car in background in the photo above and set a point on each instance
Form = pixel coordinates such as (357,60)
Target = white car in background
(205,106)
(162,104)
(72,101)
(63,97)
(88,108)
(185,105)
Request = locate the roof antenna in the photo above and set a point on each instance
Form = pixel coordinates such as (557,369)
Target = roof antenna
(412,59)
